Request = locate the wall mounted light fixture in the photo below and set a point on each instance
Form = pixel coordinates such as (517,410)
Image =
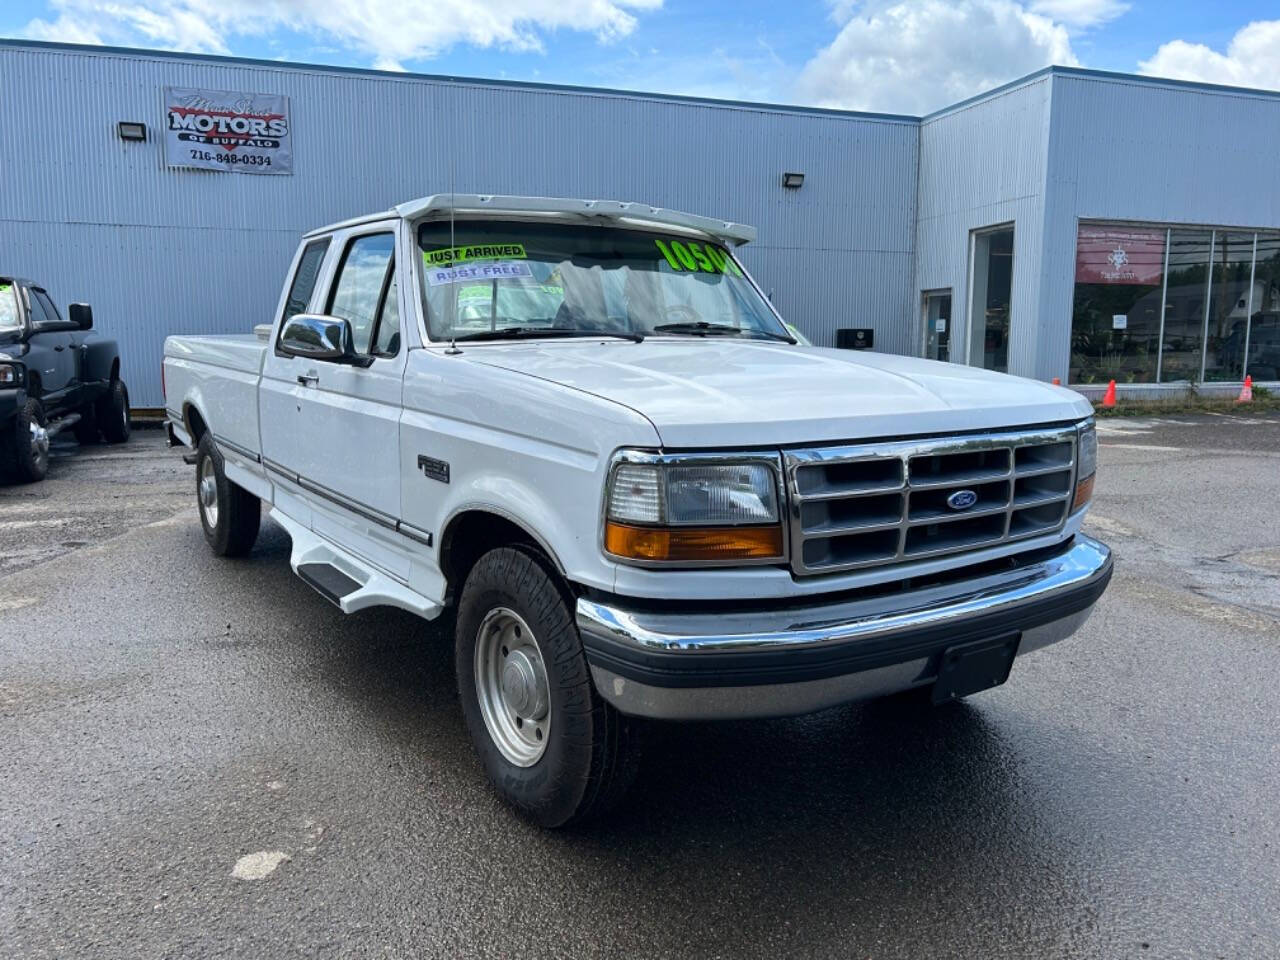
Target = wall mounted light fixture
(131,131)
(793,181)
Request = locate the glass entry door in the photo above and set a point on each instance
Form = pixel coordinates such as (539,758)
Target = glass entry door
(992,287)
(937,325)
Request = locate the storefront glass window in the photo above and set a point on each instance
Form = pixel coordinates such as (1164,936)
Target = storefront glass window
(1229,306)
(1115,326)
(1185,303)
(1264,330)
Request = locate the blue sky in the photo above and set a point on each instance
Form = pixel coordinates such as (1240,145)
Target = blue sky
(901,56)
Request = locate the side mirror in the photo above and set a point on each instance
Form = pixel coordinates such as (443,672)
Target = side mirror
(316,337)
(81,314)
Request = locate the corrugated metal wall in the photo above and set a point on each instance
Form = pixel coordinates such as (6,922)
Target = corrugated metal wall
(1137,149)
(158,251)
(982,164)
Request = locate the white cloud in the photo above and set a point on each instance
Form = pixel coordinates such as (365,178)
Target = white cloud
(1252,59)
(388,32)
(914,56)
(1079,14)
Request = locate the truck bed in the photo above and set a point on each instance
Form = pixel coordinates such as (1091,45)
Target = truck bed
(217,374)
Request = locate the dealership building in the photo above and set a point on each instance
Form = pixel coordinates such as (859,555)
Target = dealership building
(1073,224)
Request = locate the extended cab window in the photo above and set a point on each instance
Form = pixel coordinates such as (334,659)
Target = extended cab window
(304,280)
(361,290)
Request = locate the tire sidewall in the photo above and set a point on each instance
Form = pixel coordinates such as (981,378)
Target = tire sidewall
(113,414)
(551,790)
(29,470)
(216,535)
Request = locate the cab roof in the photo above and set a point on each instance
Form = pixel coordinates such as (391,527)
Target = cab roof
(616,211)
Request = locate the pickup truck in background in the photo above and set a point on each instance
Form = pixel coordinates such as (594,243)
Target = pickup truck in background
(581,428)
(54,374)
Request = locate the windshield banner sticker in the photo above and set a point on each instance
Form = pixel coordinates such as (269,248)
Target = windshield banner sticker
(226,131)
(485,271)
(684,256)
(478,251)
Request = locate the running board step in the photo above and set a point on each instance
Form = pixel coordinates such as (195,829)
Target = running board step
(345,580)
(328,581)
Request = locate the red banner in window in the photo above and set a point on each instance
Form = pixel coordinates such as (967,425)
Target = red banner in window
(1119,255)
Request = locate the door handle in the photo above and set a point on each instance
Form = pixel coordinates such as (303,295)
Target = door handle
(59,349)
(308,379)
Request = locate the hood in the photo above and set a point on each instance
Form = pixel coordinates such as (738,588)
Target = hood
(745,393)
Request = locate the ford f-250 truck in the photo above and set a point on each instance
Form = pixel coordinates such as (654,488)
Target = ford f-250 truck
(580,427)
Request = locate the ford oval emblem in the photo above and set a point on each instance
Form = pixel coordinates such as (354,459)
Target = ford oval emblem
(962,500)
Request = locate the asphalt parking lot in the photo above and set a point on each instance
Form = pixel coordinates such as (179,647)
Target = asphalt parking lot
(164,713)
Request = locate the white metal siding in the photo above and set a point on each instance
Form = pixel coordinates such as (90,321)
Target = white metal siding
(159,251)
(982,164)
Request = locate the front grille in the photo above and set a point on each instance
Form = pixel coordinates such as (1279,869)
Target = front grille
(883,503)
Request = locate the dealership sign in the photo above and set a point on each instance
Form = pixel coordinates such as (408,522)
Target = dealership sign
(221,130)
(1119,255)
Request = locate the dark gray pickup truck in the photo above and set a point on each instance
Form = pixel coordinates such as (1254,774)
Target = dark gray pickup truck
(54,374)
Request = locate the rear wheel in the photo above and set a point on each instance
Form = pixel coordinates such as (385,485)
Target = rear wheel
(550,745)
(112,413)
(24,454)
(229,514)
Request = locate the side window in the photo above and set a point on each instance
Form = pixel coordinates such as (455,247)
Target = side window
(304,280)
(50,311)
(362,279)
(386,342)
(35,309)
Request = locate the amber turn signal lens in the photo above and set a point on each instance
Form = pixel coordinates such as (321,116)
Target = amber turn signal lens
(677,544)
(1084,493)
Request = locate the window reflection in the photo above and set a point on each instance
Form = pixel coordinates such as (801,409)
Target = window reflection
(1184,303)
(1264,329)
(1229,306)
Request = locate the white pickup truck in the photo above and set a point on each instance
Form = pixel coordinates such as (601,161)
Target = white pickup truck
(580,427)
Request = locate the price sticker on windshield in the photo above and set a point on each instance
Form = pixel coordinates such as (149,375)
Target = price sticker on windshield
(688,256)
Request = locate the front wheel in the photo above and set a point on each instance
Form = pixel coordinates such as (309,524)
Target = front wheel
(550,745)
(229,513)
(25,453)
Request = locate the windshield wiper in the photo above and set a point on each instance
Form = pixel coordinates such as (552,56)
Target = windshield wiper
(532,333)
(701,328)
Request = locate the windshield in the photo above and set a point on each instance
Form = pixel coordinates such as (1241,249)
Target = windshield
(9,316)
(485,277)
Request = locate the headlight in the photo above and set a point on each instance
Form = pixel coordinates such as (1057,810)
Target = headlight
(693,510)
(9,375)
(1086,465)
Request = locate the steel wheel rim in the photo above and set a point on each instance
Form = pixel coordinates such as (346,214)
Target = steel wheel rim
(512,687)
(39,445)
(207,492)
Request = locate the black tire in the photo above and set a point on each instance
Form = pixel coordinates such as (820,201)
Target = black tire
(232,526)
(86,428)
(592,751)
(112,412)
(20,458)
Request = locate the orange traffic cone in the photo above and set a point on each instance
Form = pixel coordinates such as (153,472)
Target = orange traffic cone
(1109,398)
(1057,381)
(1246,392)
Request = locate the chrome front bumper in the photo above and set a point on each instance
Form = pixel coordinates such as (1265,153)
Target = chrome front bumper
(775,661)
